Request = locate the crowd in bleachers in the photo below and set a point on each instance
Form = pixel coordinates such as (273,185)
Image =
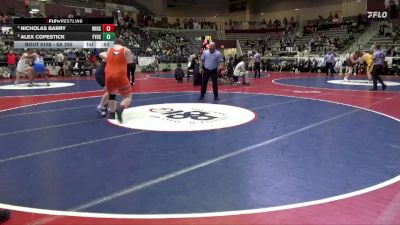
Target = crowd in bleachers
(354,24)
(387,36)
(263,24)
(6,40)
(321,43)
(5,19)
(274,31)
(194,23)
(288,40)
(261,44)
(180,23)
(317,34)
(166,46)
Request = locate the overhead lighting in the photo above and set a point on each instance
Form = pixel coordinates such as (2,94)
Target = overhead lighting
(119,11)
(32,12)
(296,9)
(262,13)
(35,10)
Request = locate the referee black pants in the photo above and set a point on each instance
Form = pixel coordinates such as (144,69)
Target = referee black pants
(257,67)
(376,72)
(329,68)
(206,76)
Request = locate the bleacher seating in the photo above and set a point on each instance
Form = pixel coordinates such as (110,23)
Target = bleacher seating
(13,8)
(386,42)
(143,9)
(339,32)
(166,44)
(77,3)
(253,38)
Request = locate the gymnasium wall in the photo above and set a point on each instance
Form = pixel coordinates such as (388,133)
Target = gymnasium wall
(344,9)
(276,9)
(159,7)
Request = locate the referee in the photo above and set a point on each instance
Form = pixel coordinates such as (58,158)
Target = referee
(329,59)
(257,64)
(379,60)
(210,60)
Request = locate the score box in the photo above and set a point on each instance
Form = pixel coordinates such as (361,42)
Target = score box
(108,36)
(108,28)
(98,44)
(63,44)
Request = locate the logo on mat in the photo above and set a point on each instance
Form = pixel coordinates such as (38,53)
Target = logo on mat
(184,117)
(194,114)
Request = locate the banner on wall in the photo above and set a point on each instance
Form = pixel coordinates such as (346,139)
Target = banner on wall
(145,61)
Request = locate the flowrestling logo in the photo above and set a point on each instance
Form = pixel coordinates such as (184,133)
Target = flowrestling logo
(377,14)
(184,117)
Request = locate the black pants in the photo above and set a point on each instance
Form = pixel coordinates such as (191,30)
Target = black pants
(61,71)
(131,72)
(329,68)
(376,72)
(197,79)
(206,76)
(258,69)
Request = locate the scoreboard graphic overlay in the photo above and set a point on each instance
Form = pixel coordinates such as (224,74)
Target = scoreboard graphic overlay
(64,33)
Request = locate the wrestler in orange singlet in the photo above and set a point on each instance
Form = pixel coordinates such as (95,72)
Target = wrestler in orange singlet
(117,59)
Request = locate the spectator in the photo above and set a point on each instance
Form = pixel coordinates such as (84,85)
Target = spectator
(60,63)
(314,66)
(382,30)
(71,56)
(11,62)
(240,71)
(179,74)
(195,67)
(67,68)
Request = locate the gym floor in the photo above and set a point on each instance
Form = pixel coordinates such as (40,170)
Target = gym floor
(288,149)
